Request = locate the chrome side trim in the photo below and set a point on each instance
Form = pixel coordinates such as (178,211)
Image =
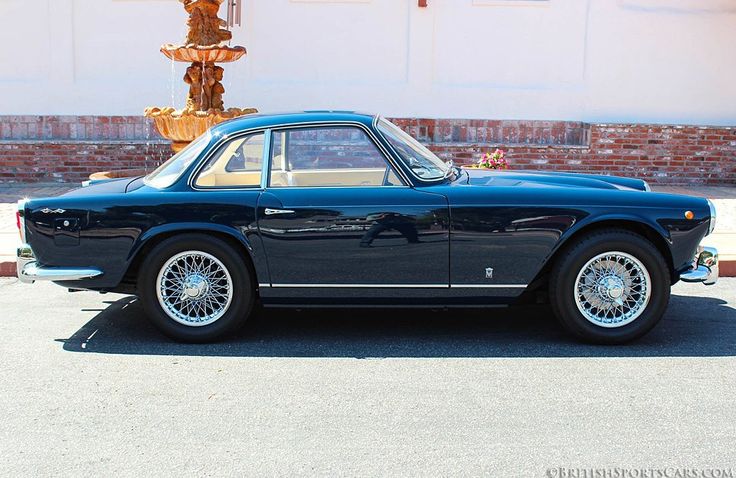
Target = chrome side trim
(290,188)
(362,286)
(398,286)
(488,286)
(29,271)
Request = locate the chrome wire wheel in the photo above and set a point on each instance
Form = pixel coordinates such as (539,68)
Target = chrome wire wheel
(612,289)
(194,288)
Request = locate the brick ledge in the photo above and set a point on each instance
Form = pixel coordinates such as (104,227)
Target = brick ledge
(508,145)
(85,141)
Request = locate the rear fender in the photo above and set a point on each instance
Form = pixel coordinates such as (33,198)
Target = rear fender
(255,254)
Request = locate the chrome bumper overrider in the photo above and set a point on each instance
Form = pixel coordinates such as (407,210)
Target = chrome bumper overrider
(705,267)
(29,271)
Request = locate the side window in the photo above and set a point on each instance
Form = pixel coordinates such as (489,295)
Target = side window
(237,163)
(328,156)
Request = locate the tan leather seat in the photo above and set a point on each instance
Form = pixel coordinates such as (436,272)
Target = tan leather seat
(218,176)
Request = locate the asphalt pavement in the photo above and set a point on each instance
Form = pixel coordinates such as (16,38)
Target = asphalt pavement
(90,388)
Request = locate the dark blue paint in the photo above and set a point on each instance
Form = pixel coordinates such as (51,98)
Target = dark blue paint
(367,235)
(441,233)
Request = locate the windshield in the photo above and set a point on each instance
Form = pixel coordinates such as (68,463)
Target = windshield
(423,162)
(167,174)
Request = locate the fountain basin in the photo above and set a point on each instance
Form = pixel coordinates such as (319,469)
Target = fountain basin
(203,54)
(183,126)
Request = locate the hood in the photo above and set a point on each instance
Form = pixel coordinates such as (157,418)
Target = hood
(485,177)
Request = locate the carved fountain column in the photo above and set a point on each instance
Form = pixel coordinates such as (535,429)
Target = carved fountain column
(204,47)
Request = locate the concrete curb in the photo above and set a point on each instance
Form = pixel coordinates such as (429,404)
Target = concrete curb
(7,269)
(727,268)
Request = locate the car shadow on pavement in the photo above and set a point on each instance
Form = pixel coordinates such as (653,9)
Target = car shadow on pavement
(692,326)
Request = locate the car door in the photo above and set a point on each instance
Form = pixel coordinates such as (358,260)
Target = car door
(336,215)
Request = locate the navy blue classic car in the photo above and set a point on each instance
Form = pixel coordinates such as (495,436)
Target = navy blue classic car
(340,208)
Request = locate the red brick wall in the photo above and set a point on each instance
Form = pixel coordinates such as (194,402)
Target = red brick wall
(69,148)
(661,154)
(76,128)
(67,161)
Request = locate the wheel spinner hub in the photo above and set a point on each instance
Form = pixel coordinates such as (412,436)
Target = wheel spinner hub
(195,286)
(611,287)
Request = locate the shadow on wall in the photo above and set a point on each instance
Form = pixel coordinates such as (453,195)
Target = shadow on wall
(693,326)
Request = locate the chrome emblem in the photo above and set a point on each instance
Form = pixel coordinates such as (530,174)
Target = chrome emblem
(489,272)
(53,211)
(271,212)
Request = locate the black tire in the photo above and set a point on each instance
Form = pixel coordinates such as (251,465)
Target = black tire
(235,314)
(574,258)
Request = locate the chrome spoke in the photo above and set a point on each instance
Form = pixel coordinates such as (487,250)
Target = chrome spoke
(612,289)
(194,288)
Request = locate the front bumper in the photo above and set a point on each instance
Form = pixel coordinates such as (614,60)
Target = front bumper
(705,267)
(29,270)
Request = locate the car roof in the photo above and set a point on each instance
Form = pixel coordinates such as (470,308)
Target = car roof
(268,120)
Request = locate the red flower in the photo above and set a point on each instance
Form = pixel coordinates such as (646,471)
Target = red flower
(495,160)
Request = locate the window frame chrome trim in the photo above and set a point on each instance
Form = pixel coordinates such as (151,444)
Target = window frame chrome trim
(371,136)
(265,167)
(225,137)
(428,182)
(216,147)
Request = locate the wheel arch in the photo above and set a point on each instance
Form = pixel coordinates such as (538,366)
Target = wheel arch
(654,233)
(153,237)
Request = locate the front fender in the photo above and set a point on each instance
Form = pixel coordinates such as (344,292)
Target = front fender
(676,238)
(611,218)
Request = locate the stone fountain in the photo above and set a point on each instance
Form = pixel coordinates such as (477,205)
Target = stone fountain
(205,46)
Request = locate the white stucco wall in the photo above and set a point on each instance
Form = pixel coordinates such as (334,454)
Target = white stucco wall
(667,61)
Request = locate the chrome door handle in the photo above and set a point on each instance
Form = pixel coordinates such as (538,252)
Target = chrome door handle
(271,212)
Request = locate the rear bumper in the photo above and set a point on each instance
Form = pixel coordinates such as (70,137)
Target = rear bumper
(29,270)
(705,267)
